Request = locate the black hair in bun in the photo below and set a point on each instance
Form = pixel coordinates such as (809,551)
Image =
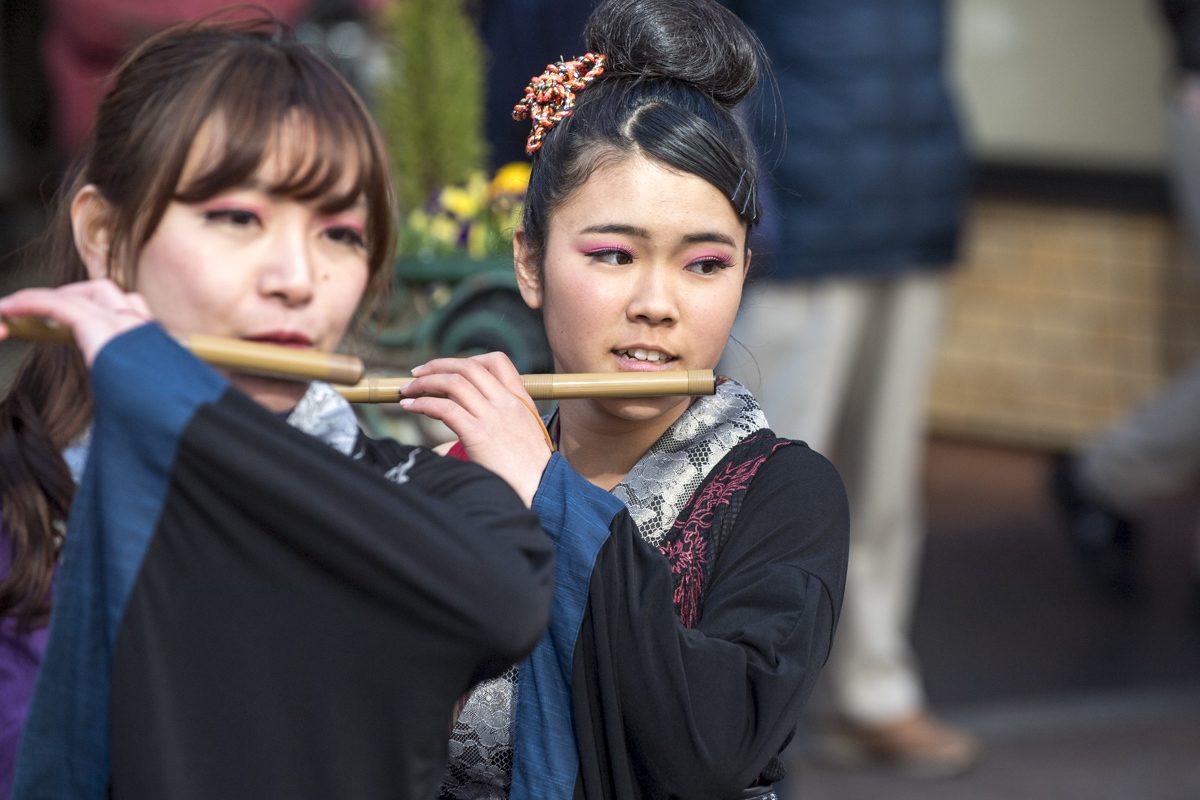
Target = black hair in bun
(674,71)
(700,43)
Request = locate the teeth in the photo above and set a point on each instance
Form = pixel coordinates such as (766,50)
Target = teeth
(640,354)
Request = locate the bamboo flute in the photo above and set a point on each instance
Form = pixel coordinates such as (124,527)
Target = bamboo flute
(563,387)
(293,364)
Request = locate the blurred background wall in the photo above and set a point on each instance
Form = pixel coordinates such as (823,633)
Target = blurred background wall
(1062,82)
(1077,295)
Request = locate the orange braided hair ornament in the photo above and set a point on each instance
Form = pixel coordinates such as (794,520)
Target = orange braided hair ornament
(550,97)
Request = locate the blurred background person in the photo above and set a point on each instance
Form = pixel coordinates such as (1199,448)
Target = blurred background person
(1107,485)
(522,37)
(841,332)
(85,39)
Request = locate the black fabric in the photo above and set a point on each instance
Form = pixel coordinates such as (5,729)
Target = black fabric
(301,626)
(1183,19)
(663,711)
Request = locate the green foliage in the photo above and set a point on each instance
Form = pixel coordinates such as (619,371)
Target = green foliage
(431,106)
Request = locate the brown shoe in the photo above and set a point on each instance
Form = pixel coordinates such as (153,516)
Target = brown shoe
(919,746)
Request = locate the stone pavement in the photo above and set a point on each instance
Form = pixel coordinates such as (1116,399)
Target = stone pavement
(1074,695)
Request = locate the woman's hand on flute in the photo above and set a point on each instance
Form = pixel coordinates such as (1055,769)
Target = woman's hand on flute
(484,402)
(95,311)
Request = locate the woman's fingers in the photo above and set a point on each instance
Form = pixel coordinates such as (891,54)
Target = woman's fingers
(445,410)
(67,308)
(95,311)
(472,382)
(484,402)
(453,385)
(473,370)
(502,369)
(140,306)
(492,375)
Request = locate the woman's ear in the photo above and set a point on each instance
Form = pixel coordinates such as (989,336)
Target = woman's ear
(746,268)
(90,218)
(529,274)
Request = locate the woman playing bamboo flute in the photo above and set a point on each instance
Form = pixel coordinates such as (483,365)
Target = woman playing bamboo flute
(253,599)
(701,559)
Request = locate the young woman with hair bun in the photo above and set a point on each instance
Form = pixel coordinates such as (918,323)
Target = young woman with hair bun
(701,559)
(251,598)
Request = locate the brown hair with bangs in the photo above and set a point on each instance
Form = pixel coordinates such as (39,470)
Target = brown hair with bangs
(249,78)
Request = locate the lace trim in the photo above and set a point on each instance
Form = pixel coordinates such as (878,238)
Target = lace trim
(481,746)
(659,486)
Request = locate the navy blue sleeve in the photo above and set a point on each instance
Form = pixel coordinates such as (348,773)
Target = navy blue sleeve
(577,516)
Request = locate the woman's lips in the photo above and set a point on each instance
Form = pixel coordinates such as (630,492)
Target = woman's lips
(282,339)
(627,364)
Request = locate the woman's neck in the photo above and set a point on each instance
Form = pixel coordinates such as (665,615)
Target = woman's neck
(603,447)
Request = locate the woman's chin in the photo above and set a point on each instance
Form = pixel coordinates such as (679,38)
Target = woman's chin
(273,394)
(642,409)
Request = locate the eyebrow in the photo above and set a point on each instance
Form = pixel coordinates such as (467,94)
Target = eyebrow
(642,233)
(717,238)
(626,230)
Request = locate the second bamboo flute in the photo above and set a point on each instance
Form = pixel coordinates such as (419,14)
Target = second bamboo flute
(256,358)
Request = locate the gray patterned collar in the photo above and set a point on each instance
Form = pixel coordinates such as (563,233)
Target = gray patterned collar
(662,482)
(322,413)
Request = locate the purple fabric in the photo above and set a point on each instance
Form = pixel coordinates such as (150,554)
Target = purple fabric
(20,654)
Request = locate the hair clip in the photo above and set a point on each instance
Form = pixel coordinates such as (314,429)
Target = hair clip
(750,192)
(550,97)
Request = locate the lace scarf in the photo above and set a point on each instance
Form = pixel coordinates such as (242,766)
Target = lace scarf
(659,486)
(655,491)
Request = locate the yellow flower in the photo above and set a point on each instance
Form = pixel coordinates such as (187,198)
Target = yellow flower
(444,230)
(418,220)
(511,179)
(477,242)
(459,202)
(477,187)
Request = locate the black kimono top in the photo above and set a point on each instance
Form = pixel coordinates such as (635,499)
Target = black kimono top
(680,670)
(242,611)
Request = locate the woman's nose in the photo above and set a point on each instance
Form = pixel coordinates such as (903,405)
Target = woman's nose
(653,300)
(287,271)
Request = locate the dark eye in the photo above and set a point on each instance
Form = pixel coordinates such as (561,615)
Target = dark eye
(616,258)
(347,236)
(709,266)
(234,216)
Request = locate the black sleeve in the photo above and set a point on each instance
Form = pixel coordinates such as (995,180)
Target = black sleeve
(663,711)
(243,612)
(302,625)
(450,543)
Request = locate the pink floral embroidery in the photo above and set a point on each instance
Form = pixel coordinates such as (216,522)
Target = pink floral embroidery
(688,550)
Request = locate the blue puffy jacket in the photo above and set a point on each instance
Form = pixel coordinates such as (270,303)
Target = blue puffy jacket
(873,176)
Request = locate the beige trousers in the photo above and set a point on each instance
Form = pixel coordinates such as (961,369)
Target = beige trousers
(845,364)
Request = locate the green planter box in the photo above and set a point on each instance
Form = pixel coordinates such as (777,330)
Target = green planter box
(477,308)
